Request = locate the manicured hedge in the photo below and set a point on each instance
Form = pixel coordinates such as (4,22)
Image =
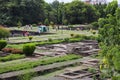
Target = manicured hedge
(28,49)
(11,57)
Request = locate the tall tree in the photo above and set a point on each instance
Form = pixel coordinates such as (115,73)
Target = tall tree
(111,8)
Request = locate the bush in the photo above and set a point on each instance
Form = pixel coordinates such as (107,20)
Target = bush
(72,35)
(95,25)
(66,40)
(77,36)
(28,49)
(3,43)
(4,33)
(30,38)
(93,32)
(50,40)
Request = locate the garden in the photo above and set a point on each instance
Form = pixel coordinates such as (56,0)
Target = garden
(59,41)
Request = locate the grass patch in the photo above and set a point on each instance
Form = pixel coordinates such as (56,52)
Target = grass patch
(32,64)
(11,57)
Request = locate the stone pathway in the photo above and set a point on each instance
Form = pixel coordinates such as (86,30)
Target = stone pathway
(6,76)
(80,48)
(59,75)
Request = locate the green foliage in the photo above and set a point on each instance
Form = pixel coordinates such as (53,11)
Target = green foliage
(34,11)
(28,49)
(34,25)
(50,39)
(66,39)
(46,22)
(65,22)
(30,37)
(27,65)
(116,77)
(27,76)
(3,43)
(11,57)
(111,7)
(101,9)
(109,35)
(102,22)
(19,24)
(77,12)
(91,70)
(95,25)
(4,33)
(77,36)
(70,26)
(27,12)
(72,35)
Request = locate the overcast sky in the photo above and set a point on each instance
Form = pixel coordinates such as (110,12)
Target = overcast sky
(49,1)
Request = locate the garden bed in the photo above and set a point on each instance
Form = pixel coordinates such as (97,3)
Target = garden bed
(26,65)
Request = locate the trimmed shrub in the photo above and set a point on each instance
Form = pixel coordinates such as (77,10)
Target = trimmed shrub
(3,43)
(66,40)
(4,33)
(28,49)
(30,38)
(72,35)
(77,36)
(93,32)
(50,40)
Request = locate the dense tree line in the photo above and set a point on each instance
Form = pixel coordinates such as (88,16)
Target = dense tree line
(13,12)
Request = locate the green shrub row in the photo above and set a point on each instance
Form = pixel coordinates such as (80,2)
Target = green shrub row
(11,57)
(77,38)
(28,65)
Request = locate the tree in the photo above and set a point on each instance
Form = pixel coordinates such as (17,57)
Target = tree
(101,8)
(26,11)
(111,8)
(109,36)
(78,12)
(46,22)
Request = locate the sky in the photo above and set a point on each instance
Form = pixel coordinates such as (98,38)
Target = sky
(50,1)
